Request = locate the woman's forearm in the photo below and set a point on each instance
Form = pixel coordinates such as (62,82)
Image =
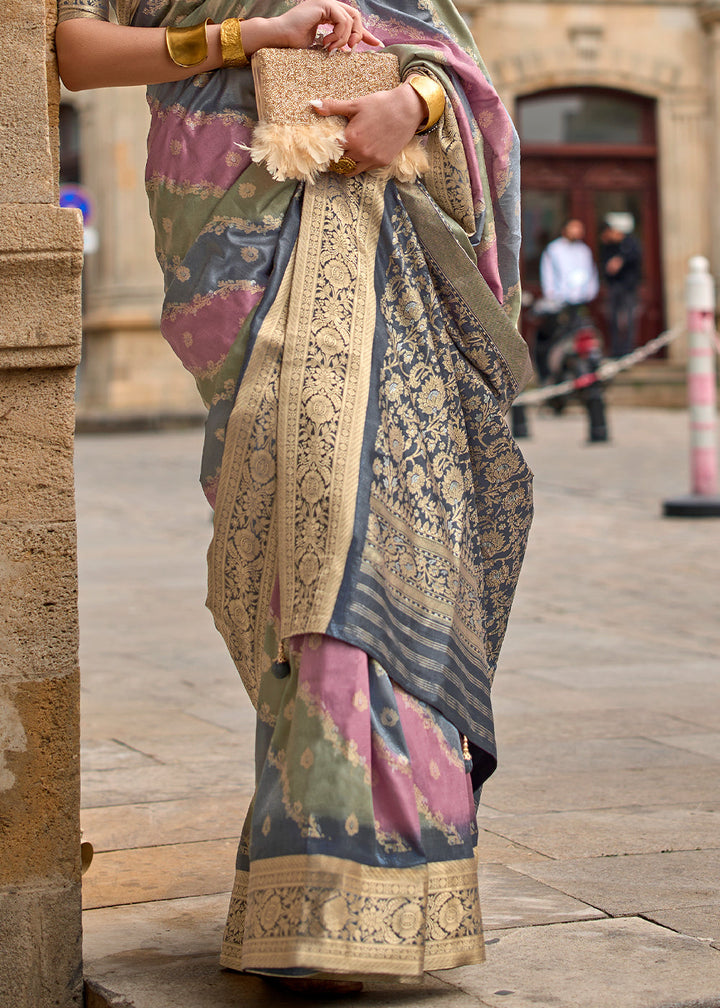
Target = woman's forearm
(94,54)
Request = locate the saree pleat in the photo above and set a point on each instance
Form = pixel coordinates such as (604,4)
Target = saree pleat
(358,851)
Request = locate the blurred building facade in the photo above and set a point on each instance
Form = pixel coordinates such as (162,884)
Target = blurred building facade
(127,369)
(618,107)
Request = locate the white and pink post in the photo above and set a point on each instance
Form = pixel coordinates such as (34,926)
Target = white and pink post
(703,500)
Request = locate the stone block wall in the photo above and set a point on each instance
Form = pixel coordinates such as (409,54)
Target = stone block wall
(40,264)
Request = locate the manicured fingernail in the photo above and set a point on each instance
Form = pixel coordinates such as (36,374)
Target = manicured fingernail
(316,103)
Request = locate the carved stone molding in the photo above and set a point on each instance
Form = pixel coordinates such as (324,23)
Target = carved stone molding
(568,66)
(40,262)
(709,12)
(586,40)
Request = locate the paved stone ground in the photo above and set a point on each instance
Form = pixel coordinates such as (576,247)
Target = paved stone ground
(600,832)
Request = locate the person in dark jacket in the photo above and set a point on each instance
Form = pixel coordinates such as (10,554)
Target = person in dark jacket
(621,270)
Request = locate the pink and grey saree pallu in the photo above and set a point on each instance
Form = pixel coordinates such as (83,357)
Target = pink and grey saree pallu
(355,344)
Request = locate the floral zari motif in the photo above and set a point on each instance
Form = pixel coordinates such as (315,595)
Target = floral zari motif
(382,920)
(295,436)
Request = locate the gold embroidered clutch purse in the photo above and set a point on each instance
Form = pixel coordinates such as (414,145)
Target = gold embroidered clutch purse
(290,138)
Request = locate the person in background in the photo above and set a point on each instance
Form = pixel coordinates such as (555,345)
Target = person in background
(621,264)
(568,276)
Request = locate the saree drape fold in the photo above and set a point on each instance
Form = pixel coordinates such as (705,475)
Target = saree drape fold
(355,344)
(358,853)
(367,468)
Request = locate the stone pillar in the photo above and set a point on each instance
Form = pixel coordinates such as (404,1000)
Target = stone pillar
(40,262)
(127,366)
(684,184)
(710,15)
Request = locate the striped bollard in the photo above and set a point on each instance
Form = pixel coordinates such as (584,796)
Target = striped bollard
(703,500)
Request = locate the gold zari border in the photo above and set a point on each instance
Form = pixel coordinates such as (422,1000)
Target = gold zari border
(288,484)
(100,10)
(325,913)
(323,399)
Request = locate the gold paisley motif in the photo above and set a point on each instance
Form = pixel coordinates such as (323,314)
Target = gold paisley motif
(346,749)
(360,701)
(306,822)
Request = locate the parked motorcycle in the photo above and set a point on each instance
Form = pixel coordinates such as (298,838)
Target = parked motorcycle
(571,350)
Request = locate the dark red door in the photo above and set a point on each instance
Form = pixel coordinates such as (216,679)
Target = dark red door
(587,153)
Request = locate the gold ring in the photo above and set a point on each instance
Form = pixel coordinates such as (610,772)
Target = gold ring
(343,166)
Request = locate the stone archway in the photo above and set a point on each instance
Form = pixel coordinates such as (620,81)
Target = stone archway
(575,64)
(40,259)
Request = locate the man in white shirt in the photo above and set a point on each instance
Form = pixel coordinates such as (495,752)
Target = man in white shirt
(568,276)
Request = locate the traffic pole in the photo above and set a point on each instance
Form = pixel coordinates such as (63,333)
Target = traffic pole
(703,500)
(594,399)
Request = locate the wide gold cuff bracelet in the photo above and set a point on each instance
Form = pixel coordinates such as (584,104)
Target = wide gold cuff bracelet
(233,54)
(433,94)
(188,46)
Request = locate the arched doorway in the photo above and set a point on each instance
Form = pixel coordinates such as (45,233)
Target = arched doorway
(587,152)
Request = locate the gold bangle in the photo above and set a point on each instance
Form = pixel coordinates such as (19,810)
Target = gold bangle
(233,54)
(433,95)
(188,46)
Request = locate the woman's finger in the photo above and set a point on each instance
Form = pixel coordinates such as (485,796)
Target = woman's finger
(370,39)
(331,106)
(355,37)
(299,25)
(343,24)
(356,28)
(359,32)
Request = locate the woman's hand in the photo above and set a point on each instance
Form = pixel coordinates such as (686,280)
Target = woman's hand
(379,125)
(297,28)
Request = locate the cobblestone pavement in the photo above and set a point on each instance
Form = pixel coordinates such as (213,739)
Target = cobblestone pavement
(600,831)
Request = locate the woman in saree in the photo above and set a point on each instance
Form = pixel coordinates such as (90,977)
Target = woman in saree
(354,341)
